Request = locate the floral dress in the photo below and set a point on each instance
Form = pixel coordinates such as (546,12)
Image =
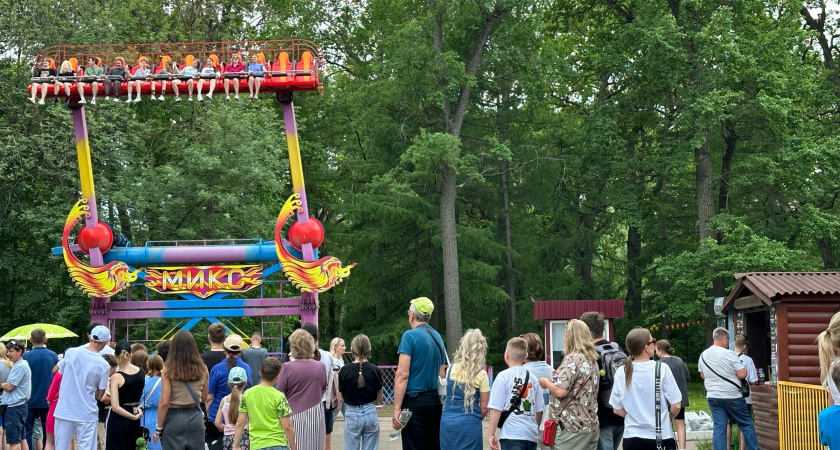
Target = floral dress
(577,411)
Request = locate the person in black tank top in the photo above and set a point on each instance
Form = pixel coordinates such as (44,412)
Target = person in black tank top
(123,423)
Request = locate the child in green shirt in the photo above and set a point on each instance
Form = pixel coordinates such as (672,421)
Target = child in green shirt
(267,412)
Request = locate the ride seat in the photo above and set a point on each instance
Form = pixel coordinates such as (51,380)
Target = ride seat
(281,68)
(305,68)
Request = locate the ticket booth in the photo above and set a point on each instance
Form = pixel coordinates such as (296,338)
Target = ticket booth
(556,313)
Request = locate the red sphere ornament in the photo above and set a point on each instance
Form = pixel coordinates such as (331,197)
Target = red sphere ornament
(309,232)
(99,236)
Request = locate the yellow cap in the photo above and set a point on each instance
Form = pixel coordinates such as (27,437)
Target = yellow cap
(424,306)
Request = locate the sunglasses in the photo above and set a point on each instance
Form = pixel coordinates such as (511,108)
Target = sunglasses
(652,341)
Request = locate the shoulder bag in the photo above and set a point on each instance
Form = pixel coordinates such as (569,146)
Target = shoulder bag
(146,432)
(658,398)
(441,388)
(515,402)
(551,425)
(211,433)
(744,387)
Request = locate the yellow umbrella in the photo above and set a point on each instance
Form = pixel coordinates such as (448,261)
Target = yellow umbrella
(53,331)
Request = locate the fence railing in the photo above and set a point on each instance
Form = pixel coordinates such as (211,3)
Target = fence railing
(799,405)
(386,408)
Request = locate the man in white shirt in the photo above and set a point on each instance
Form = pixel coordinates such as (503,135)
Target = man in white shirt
(722,373)
(84,379)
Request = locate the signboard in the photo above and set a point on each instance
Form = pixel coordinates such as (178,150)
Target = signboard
(203,281)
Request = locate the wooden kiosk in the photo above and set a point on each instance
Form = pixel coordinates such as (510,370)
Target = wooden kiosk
(782,314)
(555,314)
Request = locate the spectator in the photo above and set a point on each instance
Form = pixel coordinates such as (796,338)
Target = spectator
(421,362)
(91,73)
(218,387)
(52,399)
(360,384)
(46,76)
(681,375)
(633,390)
(741,342)
(114,78)
(303,380)
(5,368)
(41,361)
(828,343)
(327,360)
(536,365)
(610,358)
(180,421)
(228,413)
(722,373)
(16,392)
(139,358)
(467,395)
(828,420)
(162,349)
(574,390)
(136,347)
(254,355)
(104,403)
(514,390)
(216,354)
(261,407)
(151,396)
(337,350)
(84,379)
(123,426)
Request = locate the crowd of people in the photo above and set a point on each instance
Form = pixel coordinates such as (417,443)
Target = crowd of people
(233,397)
(195,75)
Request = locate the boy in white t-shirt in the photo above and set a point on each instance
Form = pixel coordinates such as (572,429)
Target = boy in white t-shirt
(741,342)
(521,429)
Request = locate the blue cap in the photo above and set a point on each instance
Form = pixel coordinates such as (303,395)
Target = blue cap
(237,375)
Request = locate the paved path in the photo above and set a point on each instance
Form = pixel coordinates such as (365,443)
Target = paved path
(386,444)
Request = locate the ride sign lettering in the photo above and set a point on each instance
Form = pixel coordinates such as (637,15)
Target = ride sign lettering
(203,281)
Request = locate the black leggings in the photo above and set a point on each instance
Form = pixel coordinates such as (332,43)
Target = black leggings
(121,433)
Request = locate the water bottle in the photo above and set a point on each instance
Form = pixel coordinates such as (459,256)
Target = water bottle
(404,416)
(761,377)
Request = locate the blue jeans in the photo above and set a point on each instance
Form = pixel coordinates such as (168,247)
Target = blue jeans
(361,427)
(40,414)
(517,444)
(609,437)
(735,408)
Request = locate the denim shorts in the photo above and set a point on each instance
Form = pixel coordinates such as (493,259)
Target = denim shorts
(15,423)
(276,447)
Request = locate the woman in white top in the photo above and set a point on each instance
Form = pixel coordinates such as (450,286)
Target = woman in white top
(633,395)
(141,74)
(828,343)
(210,74)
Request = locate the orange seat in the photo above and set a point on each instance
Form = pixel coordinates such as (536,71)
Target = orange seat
(75,63)
(261,58)
(306,65)
(282,65)
(188,60)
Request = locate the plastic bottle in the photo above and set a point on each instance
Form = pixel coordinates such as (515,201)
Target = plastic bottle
(404,416)
(761,377)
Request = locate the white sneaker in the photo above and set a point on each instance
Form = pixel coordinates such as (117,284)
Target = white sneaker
(107,97)
(236,96)
(227,97)
(161,98)
(190,99)
(137,99)
(93,101)
(33,100)
(200,98)
(41,102)
(210,96)
(178,98)
(82,101)
(116,99)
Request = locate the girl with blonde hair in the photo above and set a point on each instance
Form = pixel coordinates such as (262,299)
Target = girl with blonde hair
(65,78)
(467,395)
(633,390)
(360,385)
(123,423)
(828,344)
(574,390)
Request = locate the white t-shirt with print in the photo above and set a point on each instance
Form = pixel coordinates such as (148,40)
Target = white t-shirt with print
(752,374)
(83,372)
(522,422)
(725,362)
(640,399)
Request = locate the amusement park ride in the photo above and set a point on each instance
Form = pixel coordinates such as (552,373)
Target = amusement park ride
(202,273)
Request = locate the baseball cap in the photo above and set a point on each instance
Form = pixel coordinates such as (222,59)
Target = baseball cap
(237,375)
(424,305)
(122,346)
(233,343)
(100,333)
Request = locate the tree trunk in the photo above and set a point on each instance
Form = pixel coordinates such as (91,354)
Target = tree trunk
(634,272)
(449,244)
(826,253)
(434,281)
(511,287)
(730,138)
(704,187)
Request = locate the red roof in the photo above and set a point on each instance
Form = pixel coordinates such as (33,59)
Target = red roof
(572,309)
(769,286)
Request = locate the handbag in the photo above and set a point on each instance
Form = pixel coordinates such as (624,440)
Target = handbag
(744,387)
(146,431)
(441,381)
(550,431)
(658,408)
(211,433)
(516,402)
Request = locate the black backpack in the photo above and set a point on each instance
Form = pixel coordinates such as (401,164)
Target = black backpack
(610,358)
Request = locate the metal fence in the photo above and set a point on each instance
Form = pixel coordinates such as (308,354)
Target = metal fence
(799,405)
(386,408)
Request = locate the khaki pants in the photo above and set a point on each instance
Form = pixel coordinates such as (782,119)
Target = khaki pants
(100,436)
(567,440)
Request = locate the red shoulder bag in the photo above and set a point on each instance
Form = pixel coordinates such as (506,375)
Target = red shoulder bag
(550,431)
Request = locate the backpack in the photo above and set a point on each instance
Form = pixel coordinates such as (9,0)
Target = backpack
(610,358)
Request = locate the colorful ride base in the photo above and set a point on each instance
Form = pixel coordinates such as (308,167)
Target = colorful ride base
(293,65)
(173,268)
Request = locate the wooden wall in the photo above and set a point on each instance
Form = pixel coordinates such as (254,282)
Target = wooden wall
(805,321)
(766,406)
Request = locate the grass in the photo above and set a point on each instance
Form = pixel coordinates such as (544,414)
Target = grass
(697,398)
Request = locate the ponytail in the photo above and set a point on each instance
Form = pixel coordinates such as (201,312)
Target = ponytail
(827,355)
(231,361)
(628,371)
(235,399)
(361,382)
